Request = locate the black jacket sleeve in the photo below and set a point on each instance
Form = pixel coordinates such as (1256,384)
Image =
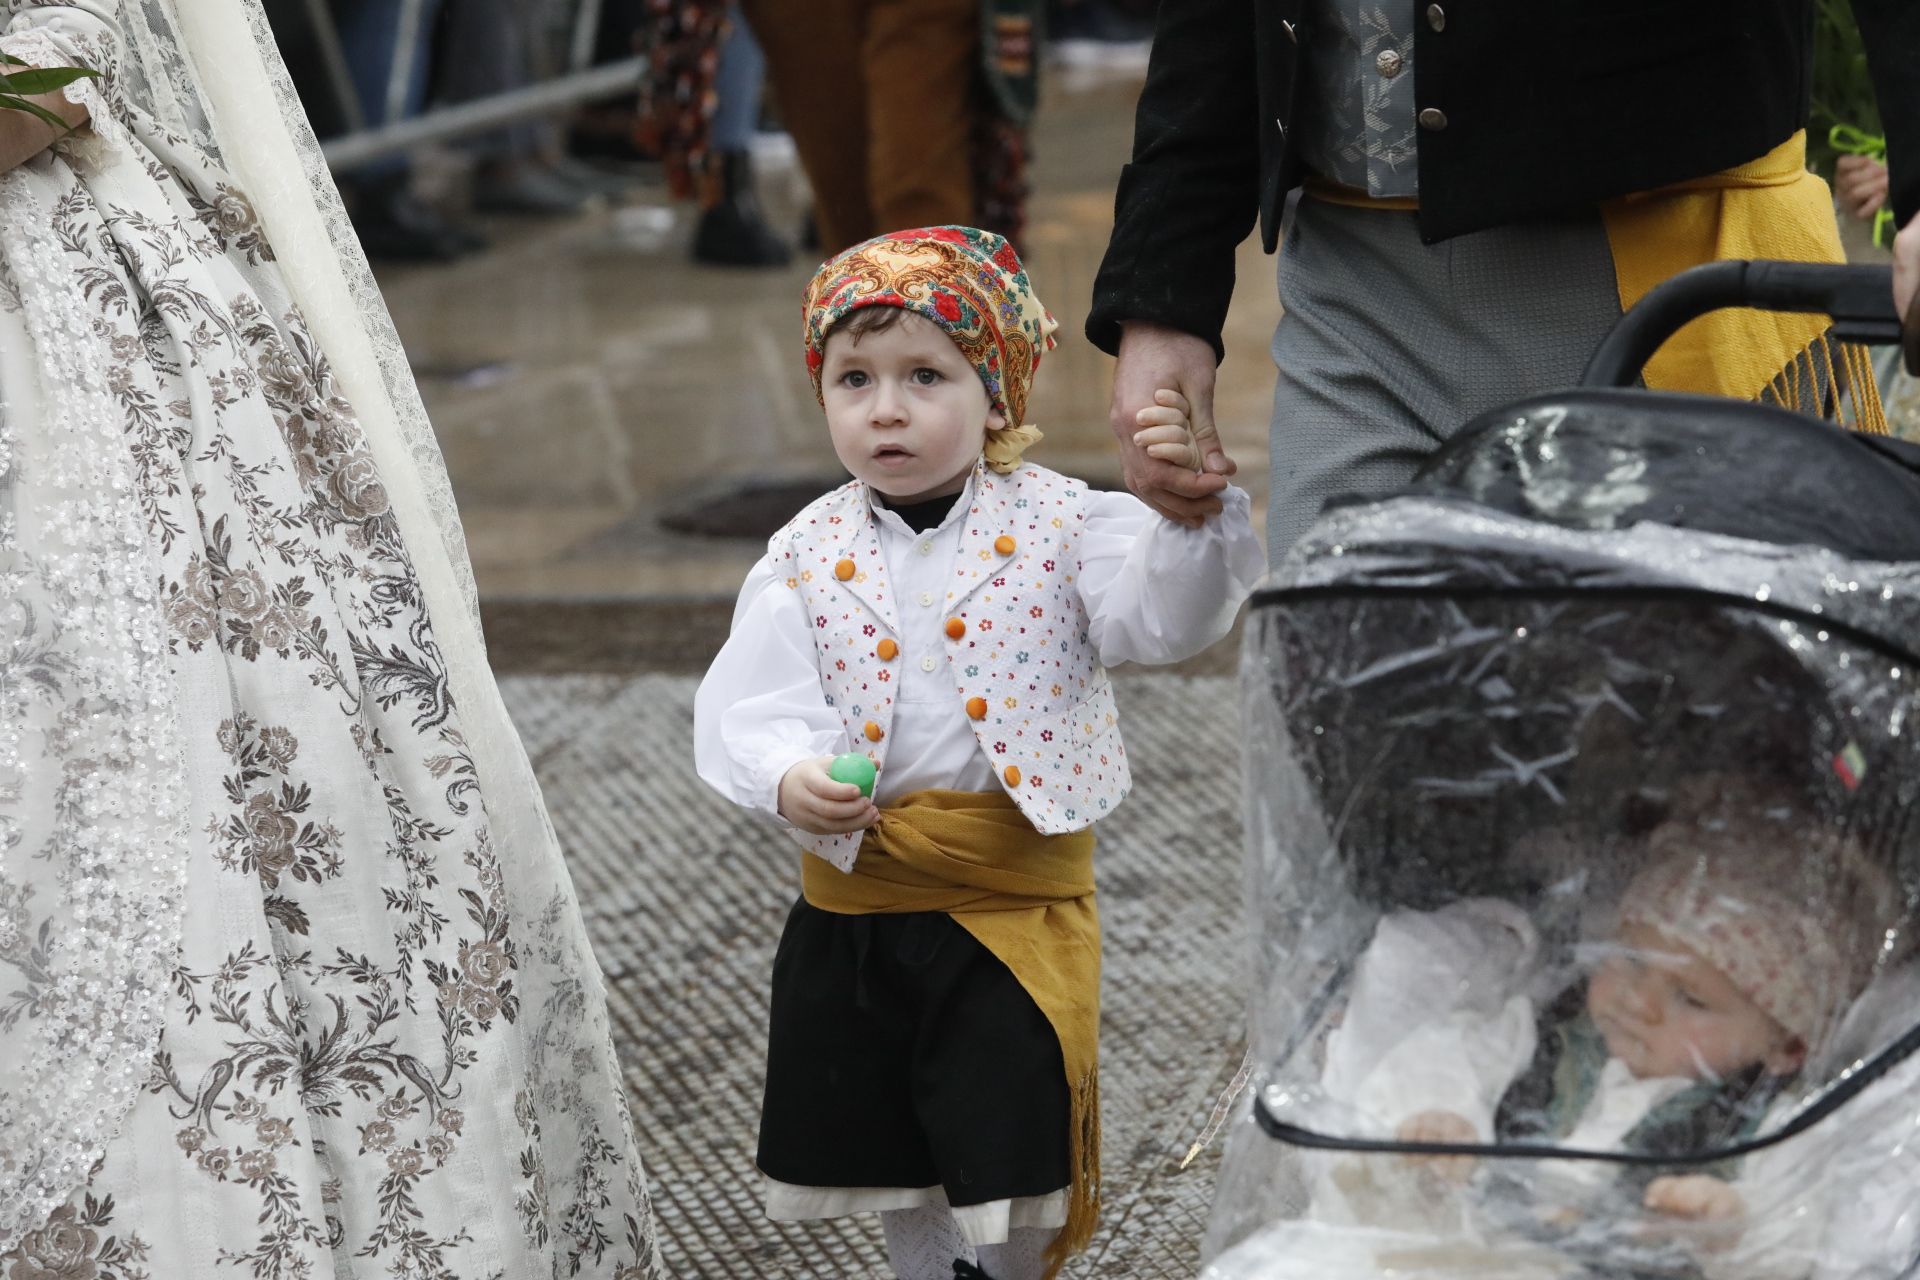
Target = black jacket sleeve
(1192,191)
(1890,33)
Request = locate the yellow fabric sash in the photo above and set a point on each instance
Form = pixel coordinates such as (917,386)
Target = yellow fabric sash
(1027,898)
(1772,207)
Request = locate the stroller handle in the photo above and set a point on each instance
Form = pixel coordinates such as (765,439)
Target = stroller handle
(1859,298)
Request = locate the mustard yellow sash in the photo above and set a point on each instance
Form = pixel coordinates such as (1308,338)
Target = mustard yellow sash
(1027,898)
(1772,207)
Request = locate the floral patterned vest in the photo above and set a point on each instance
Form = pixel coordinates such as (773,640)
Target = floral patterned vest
(1026,671)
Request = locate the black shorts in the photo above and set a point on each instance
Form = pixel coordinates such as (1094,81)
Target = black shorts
(902,1053)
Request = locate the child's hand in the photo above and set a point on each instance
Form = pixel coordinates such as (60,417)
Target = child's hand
(1699,1196)
(814,802)
(1860,184)
(1440,1126)
(1167,432)
(1701,1199)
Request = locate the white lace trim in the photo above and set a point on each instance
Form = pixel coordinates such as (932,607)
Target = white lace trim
(93,832)
(90,144)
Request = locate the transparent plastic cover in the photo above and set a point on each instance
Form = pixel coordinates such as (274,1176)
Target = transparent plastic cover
(1584,913)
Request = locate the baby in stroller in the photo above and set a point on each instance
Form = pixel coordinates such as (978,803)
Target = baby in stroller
(1526,1003)
(1676,1037)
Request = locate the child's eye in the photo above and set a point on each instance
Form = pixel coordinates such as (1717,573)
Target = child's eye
(1693,1002)
(926,377)
(853,378)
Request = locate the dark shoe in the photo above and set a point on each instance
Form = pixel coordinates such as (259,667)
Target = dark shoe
(734,233)
(400,228)
(964,1270)
(528,189)
(607,136)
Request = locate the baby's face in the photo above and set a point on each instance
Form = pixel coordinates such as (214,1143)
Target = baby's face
(1664,1011)
(907,413)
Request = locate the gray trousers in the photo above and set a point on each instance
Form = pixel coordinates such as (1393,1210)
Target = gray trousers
(1388,346)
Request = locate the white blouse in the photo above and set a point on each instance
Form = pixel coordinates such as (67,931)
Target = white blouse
(1154,591)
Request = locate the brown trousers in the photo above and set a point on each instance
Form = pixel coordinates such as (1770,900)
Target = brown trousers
(880,97)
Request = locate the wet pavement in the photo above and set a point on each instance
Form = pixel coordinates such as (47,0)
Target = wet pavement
(684,896)
(585,379)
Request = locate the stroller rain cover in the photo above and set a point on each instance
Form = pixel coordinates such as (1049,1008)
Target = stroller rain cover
(1581,817)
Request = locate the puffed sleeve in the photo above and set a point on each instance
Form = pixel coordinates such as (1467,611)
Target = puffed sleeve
(1157,591)
(761,709)
(1437,1019)
(77,33)
(73,33)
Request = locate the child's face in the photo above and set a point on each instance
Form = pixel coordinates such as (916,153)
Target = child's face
(1664,1011)
(907,413)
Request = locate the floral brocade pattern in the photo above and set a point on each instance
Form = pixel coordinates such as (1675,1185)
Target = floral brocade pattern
(381,1044)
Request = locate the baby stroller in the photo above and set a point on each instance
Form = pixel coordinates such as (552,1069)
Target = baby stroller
(1583,786)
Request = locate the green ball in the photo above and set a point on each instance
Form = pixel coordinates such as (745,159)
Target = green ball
(855,768)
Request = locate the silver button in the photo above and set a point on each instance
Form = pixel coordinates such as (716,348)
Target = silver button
(926,548)
(927,663)
(1436,17)
(1388,63)
(1433,119)
(926,597)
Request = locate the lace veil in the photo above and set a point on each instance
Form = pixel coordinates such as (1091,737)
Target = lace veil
(93,837)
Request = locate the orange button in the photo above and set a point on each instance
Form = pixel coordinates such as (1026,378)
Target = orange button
(955,628)
(886,651)
(874,732)
(1012,776)
(977,708)
(1004,545)
(843,570)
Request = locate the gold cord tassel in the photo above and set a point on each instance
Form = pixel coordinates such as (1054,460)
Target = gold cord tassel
(1083,1197)
(1814,381)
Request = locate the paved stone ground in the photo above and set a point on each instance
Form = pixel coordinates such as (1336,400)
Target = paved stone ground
(684,896)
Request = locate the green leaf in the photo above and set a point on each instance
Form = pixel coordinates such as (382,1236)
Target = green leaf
(44,80)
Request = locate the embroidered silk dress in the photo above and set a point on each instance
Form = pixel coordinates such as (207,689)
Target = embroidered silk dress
(314,997)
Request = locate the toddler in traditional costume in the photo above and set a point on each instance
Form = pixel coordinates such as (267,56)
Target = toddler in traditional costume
(949,613)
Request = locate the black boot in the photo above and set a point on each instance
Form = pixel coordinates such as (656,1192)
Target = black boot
(733,233)
(395,225)
(964,1270)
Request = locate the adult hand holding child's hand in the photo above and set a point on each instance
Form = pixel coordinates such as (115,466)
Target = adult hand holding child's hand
(1166,430)
(813,801)
(1154,359)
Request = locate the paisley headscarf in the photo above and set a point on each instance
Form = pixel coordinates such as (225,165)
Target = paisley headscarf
(967,281)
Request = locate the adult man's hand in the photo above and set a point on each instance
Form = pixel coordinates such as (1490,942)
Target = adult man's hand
(1906,287)
(1154,357)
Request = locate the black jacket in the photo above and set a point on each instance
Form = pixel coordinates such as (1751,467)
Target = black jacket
(1549,106)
